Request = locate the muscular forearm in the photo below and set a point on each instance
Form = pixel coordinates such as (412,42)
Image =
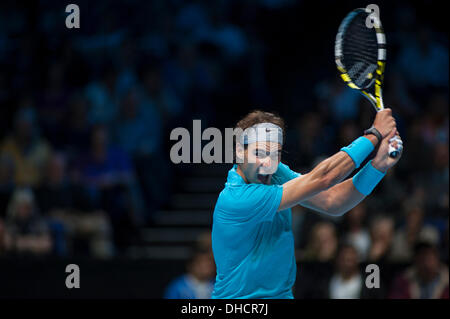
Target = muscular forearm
(337,200)
(324,176)
(337,167)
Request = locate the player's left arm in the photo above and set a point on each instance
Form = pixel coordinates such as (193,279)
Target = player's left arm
(342,197)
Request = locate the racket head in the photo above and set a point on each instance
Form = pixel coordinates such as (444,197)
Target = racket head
(360,51)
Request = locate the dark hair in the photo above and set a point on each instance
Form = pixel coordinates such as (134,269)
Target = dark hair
(196,252)
(258,116)
(423,245)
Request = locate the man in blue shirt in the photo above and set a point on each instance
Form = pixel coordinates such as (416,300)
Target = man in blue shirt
(252,236)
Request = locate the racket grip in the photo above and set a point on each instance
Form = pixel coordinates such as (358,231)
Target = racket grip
(393,152)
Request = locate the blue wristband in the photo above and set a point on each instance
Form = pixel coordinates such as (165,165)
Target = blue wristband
(359,149)
(367,178)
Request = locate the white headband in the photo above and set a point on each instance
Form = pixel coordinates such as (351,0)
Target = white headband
(262,132)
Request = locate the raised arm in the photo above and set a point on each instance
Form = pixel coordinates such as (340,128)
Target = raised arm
(325,175)
(335,168)
(342,197)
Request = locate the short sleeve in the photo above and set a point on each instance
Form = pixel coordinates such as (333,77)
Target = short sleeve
(251,203)
(283,174)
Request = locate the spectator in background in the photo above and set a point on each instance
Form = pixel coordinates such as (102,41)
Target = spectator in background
(159,106)
(348,131)
(427,278)
(340,101)
(406,237)
(109,176)
(204,241)
(191,80)
(381,233)
(356,233)
(126,61)
(437,181)
(103,98)
(323,243)
(27,149)
(161,102)
(67,204)
(347,281)
(425,56)
(230,38)
(392,192)
(198,282)
(27,233)
(310,138)
(76,123)
(192,19)
(139,131)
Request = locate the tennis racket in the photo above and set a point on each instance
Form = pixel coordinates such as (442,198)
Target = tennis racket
(360,55)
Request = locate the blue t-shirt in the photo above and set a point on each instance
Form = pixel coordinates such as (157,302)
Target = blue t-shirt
(185,287)
(253,244)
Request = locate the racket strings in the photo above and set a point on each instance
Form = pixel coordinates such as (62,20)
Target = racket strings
(360,50)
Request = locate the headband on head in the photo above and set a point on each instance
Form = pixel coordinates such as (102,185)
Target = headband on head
(262,132)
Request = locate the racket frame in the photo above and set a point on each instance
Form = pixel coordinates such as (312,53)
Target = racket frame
(375,99)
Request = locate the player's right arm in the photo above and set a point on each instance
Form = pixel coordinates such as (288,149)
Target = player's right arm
(325,175)
(332,170)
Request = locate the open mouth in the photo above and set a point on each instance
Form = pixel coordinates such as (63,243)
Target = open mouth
(264,179)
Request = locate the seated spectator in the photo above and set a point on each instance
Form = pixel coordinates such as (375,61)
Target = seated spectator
(347,281)
(107,173)
(323,242)
(311,137)
(103,98)
(76,125)
(357,234)
(138,131)
(427,278)
(204,241)
(188,75)
(406,237)
(67,203)
(437,182)
(27,232)
(160,100)
(28,151)
(382,233)
(198,282)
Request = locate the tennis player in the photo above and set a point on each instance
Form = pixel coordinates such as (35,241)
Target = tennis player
(252,235)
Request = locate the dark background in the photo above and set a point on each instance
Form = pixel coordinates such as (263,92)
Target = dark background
(175,61)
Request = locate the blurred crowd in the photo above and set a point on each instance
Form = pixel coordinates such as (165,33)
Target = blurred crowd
(85,117)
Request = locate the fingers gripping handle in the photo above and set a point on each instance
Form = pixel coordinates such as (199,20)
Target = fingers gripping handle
(393,151)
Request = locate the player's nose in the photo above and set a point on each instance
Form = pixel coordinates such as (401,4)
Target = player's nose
(266,162)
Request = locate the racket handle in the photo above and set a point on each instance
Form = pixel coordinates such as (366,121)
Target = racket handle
(393,152)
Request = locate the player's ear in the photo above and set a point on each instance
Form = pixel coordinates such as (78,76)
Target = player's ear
(240,153)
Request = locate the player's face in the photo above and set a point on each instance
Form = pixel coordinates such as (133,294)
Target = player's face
(261,162)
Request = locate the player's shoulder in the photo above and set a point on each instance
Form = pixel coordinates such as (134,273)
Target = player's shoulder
(244,196)
(283,174)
